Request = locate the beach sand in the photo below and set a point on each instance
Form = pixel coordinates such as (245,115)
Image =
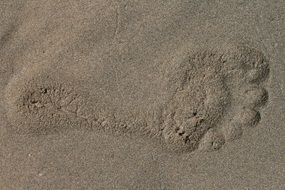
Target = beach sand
(112,94)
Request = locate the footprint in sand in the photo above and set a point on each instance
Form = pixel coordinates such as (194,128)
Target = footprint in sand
(198,100)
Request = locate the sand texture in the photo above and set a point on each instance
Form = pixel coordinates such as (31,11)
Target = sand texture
(111,94)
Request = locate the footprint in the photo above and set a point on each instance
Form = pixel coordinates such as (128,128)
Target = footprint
(218,94)
(203,98)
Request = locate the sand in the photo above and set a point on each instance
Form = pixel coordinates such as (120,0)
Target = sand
(142,94)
